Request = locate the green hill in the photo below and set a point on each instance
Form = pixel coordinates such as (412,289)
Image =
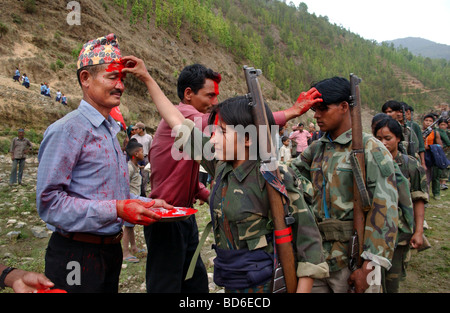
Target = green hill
(293,48)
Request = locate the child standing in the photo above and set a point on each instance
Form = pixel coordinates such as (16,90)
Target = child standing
(285,150)
(135,153)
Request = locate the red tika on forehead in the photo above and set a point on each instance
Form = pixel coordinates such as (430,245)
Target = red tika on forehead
(216,88)
(116,66)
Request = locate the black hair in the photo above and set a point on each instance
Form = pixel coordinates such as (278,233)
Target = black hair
(300,124)
(430,115)
(284,138)
(378,117)
(334,90)
(237,111)
(132,146)
(194,76)
(393,125)
(394,105)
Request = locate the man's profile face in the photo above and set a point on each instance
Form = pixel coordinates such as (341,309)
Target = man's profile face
(206,97)
(328,117)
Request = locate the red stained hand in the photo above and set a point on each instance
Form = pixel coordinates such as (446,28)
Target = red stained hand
(137,211)
(135,66)
(308,99)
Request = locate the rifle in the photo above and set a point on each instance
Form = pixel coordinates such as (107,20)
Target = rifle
(361,202)
(427,131)
(410,150)
(280,218)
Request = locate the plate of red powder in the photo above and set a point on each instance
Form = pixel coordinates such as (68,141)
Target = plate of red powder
(177,214)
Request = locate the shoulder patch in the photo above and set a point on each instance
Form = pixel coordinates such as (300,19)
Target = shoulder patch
(383,165)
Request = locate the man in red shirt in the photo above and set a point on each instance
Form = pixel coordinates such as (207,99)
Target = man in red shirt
(172,245)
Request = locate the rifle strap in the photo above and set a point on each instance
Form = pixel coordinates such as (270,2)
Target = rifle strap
(360,184)
(194,259)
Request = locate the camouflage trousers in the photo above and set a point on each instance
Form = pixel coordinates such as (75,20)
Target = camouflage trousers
(338,283)
(391,279)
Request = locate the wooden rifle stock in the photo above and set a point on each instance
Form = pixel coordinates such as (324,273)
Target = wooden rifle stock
(284,250)
(360,196)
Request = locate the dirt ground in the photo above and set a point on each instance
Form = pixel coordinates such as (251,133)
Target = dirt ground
(427,272)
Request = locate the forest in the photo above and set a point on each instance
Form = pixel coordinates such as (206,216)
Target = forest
(295,48)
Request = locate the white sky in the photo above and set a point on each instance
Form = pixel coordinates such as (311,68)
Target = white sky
(383,20)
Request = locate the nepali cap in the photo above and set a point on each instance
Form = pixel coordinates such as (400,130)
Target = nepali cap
(103,50)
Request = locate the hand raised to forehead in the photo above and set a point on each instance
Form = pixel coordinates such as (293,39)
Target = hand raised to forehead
(308,99)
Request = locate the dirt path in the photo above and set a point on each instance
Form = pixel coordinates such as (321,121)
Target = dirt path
(427,272)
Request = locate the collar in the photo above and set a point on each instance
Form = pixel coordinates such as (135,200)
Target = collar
(96,119)
(343,139)
(242,171)
(399,158)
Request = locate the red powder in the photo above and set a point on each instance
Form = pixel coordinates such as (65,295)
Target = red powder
(52,291)
(177,211)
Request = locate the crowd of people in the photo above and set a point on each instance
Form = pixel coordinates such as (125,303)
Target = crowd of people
(91,190)
(44,89)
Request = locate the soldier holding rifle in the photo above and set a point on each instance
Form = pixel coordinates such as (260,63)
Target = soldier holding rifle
(327,164)
(239,200)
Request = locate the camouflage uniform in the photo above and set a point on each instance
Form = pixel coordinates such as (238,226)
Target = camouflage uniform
(327,165)
(410,136)
(418,131)
(241,217)
(407,168)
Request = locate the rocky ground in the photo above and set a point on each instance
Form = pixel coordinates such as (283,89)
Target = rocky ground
(24,236)
(23,239)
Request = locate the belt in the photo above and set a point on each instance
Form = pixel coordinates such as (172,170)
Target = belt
(94,239)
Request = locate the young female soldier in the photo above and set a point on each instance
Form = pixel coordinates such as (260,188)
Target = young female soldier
(389,132)
(239,201)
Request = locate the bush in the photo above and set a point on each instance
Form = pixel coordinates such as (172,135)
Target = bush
(3,29)
(59,63)
(30,6)
(5,144)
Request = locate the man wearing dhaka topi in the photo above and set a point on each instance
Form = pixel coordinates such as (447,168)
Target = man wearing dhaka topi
(83,191)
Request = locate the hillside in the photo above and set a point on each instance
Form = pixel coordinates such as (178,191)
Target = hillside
(280,39)
(423,47)
(50,39)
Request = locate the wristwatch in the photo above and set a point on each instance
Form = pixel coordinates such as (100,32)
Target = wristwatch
(5,272)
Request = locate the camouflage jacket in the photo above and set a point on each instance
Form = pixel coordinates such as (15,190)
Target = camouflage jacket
(418,131)
(416,182)
(410,139)
(241,217)
(327,165)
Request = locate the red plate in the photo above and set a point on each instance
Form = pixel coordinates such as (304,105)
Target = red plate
(177,214)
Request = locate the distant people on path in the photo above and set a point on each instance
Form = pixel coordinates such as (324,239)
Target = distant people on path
(64,99)
(25,81)
(16,76)
(20,147)
(58,96)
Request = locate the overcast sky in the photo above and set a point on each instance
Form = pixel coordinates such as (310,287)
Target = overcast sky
(383,20)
